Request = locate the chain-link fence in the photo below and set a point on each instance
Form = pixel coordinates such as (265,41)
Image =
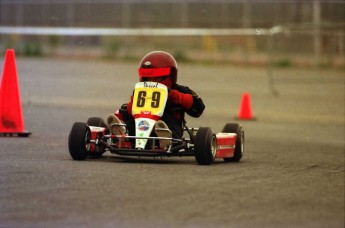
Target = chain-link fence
(312,31)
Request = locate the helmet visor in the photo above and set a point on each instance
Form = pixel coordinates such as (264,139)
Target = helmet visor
(154,72)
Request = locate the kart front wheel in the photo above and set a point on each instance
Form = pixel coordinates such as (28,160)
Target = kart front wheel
(205,146)
(79,141)
(239,147)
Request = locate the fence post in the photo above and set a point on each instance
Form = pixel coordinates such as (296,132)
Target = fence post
(317,33)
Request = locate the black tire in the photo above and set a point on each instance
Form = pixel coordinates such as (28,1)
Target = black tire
(239,148)
(97,122)
(79,141)
(205,146)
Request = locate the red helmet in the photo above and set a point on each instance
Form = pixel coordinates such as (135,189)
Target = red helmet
(159,64)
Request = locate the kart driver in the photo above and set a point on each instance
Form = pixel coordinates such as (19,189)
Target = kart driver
(160,66)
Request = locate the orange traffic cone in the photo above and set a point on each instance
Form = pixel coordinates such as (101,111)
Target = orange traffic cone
(245,112)
(11,114)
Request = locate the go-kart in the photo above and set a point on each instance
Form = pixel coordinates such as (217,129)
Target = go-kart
(95,137)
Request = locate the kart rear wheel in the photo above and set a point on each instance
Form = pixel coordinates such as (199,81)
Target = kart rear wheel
(79,141)
(205,146)
(239,148)
(97,122)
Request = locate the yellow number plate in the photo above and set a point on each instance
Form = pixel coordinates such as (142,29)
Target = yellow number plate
(149,98)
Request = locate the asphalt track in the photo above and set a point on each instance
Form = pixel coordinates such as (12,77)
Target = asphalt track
(292,173)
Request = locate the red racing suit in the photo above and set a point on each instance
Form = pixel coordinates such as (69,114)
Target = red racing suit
(181,100)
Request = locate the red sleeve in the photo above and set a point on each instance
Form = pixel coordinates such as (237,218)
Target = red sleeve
(129,107)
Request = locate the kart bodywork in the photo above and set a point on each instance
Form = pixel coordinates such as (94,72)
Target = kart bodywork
(95,137)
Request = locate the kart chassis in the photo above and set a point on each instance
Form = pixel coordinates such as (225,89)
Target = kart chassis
(118,144)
